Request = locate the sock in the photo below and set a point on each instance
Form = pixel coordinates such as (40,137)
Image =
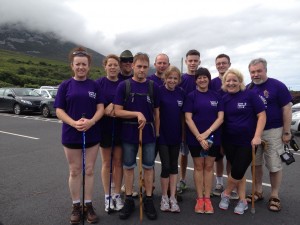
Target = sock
(87,201)
(219,180)
(106,196)
(76,201)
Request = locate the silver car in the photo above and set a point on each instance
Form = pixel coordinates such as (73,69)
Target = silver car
(295,126)
(296,107)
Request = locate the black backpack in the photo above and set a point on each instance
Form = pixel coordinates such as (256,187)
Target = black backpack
(129,93)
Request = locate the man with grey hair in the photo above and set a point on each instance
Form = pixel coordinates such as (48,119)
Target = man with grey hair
(277,100)
(161,64)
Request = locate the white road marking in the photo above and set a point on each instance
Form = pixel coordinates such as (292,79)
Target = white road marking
(19,135)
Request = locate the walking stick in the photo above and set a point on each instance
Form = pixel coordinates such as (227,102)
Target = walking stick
(111,161)
(141,174)
(253,179)
(83,170)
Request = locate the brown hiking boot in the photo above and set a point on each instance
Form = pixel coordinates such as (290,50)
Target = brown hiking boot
(76,214)
(91,216)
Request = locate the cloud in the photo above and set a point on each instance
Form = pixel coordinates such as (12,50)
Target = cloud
(242,30)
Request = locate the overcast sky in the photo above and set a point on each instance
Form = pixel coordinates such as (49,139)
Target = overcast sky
(242,29)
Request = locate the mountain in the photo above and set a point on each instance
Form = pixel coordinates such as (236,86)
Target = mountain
(15,37)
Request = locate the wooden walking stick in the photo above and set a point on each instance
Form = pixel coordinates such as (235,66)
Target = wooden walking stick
(253,179)
(141,173)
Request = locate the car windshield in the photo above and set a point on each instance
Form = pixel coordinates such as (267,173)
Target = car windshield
(25,92)
(53,92)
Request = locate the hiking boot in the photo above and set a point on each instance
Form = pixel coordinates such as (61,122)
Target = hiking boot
(208,208)
(224,203)
(174,205)
(165,204)
(76,214)
(91,216)
(218,190)
(241,207)
(199,207)
(127,210)
(149,209)
(118,202)
(110,203)
(181,186)
(234,195)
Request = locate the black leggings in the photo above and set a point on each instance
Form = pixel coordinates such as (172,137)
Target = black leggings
(169,159)
(240,158)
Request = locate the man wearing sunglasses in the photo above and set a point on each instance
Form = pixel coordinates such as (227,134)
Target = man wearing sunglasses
(126,59)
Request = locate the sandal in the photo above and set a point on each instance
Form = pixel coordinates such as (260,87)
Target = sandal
(257,197)
(274,204)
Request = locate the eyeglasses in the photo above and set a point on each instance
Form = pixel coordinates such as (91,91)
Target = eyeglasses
(80,53)
(126,60)
(221,63)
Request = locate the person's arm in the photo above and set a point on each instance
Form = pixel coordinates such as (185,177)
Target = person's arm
(125,114)
(192,126)
(214,126)
(260,125)
(287,119)
(157,121)
(109,110)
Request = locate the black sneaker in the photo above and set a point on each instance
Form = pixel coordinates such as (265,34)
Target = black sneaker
(127,210)
(76,214)
(91,216)
(149,209)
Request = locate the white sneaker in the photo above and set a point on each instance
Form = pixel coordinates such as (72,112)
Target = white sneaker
(111,203)
(118,202)
(165,204)
(174,205)
(234,195)
(241,207)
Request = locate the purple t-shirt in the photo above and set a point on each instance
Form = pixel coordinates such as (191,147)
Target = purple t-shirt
(123,77)
(170,109)
(140,103)
(188,83)
(240,117)
(108,90)
(275,95)
(77,98)
(215,85)
(204,107)
(156,79)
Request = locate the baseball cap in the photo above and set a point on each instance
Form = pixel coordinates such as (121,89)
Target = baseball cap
(126,54)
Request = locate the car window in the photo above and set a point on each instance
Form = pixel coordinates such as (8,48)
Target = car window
(1,92)
(8,91)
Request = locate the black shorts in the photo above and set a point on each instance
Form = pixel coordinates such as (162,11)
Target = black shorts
(106,141)
(212,152)
(219,155)
(80,146)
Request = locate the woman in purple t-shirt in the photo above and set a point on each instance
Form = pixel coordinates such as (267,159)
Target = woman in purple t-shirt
(170,136)
(110,128)
(79,106)
(244,122)
(203,115)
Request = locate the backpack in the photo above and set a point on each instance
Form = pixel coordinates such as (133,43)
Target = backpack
(129,93)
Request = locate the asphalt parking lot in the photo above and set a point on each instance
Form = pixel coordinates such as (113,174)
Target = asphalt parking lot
(34,187)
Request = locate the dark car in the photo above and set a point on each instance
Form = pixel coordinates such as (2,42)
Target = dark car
(47,108)
(19,100)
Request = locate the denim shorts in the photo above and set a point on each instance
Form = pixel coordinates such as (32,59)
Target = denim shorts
(130,152)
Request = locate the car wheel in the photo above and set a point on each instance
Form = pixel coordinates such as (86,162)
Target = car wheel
(46,111)
(17,109)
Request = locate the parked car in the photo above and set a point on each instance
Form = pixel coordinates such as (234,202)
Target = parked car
(49,87)
(296,107)
(19,100)
(47,108)
(295,126)
(47,93)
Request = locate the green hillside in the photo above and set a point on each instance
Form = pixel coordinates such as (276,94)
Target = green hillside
(18,69)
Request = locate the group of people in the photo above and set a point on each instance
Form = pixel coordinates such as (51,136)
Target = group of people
(177,114)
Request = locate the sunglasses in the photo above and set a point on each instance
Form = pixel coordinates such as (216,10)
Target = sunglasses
(126,60)
(80,53)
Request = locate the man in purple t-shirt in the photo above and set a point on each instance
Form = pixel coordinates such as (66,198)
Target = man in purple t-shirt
(222,64)
(161,64)
(188,84)
(141,112)
(277,100)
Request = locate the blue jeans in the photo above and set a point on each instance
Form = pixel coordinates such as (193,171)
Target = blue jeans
(130,151)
